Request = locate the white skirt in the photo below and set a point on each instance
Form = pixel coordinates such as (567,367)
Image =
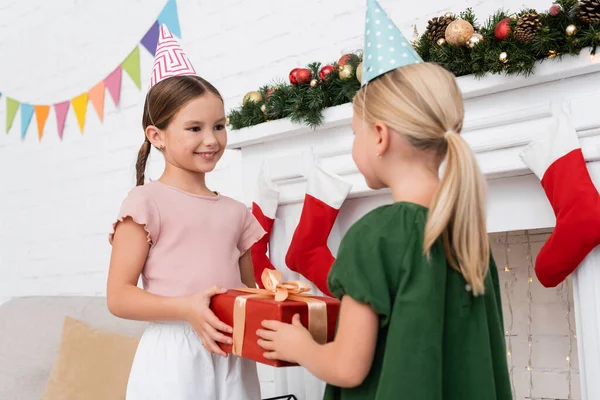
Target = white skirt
(171,364)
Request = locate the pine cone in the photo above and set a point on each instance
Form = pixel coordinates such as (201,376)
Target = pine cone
(436,27)
(588,11)
(527,27)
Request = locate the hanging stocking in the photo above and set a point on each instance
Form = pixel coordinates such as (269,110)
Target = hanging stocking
(558,161)
(308,253)
(264,207)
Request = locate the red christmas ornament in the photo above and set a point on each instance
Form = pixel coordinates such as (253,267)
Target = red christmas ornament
(303,76)
(555,10)
(344,59)
(293,78)
(326,70)
(269,93)
(502,30)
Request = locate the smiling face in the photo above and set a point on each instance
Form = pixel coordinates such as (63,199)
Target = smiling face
(196,137)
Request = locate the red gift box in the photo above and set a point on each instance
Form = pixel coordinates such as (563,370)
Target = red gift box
(318,314)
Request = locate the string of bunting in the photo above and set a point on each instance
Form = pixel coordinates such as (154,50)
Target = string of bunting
(505,43)
(112,83)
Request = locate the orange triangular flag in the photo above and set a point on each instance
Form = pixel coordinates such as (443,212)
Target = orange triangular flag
(41,115)
(80,107)
(97,98)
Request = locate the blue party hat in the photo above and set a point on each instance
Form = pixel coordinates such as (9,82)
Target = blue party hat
(386,48)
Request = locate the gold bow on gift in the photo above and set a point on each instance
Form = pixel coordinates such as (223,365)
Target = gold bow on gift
(271,279)
(280,291)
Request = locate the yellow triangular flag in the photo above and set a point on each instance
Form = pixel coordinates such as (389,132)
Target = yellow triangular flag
(80,107)
(41,115)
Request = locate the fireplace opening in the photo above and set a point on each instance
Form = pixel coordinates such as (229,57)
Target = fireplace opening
(539,322)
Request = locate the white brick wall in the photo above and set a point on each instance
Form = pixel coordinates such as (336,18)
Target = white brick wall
(57,199)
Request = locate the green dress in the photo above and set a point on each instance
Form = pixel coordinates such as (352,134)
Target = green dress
(436,341)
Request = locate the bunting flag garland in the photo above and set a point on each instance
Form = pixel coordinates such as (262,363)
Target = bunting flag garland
(131,65)
(96,95)
(79,104)
(168,17)
(61,110)
(113,84)
(26,114)
(41,115)
(12,106)
(150,40)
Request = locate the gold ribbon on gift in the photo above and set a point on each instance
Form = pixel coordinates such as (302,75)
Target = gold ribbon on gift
(280,291)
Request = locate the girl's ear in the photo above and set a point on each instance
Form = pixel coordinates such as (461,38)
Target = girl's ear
(382,138)
(155,136)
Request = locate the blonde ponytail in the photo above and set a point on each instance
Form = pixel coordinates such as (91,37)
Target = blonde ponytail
(458,214)
(423,103)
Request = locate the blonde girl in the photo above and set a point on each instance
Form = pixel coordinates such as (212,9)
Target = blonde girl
(421,316)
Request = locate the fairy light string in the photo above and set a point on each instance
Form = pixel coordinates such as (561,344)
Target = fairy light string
(564,291)
(529,314)
(509,283)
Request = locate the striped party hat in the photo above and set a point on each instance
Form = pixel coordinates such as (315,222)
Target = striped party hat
(386,48)
(170,60)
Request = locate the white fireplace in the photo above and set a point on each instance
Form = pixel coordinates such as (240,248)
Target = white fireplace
(503,114)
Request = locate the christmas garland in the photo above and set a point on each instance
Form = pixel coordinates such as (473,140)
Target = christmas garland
(506,43)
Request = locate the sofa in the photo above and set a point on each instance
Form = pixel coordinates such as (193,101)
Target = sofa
(31,329)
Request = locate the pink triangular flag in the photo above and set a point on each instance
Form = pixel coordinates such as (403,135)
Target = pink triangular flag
(170,60)
(61,110)
(113,84)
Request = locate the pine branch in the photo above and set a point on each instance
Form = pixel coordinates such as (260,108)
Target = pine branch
(305,104)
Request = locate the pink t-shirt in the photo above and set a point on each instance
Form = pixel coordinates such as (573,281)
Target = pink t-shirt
(195,241)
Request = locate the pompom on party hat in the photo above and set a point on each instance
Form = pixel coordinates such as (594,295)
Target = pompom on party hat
(385,47)
(170,59)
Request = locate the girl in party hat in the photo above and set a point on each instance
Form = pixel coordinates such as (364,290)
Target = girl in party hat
(185,241)
(421,316)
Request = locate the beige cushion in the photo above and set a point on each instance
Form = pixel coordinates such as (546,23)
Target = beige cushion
(30,335)
(91,364)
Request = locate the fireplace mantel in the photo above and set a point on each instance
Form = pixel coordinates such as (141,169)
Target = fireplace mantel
(503,114)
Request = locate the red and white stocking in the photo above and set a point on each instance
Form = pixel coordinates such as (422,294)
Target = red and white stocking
(558,161)
(264,208)
(308,253)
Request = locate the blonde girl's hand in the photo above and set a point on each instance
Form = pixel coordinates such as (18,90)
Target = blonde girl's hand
(285,342)
(206,324)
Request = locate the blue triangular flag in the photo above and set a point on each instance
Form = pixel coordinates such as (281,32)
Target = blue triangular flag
(26,114)
(150,39)
(386,48)
(168,16)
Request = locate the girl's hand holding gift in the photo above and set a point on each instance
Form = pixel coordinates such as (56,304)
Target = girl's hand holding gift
(205,322)
(283,341)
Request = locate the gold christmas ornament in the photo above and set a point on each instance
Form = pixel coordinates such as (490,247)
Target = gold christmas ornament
(441,42)
(458,32)
(474,40)
(571,30)
(346,71)
(253,96)
(227,122)
(314,83)
(552,54)
(503,57)
(359,72)
(263,108)
(514,17)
